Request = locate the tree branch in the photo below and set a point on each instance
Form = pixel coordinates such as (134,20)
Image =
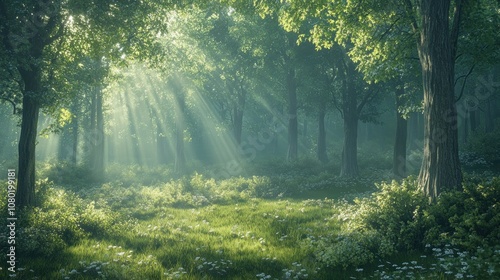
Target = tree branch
(465,80)
(11,102)
(368,97)
(409,12)
(388,29)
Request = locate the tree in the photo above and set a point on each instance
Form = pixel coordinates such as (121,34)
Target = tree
(437,50)
(32,35)
(375,42)
(26,34)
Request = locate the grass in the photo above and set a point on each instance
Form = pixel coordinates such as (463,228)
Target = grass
(241,240)
(257,227)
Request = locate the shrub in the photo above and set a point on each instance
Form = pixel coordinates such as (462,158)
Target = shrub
(468,219)
(396,211)
(486,146)
(398,217)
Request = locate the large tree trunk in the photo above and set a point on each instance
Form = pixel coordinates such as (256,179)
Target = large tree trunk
(399,158)
(322,155)
(291,85)
(25,195)
(437,48)
(349,166)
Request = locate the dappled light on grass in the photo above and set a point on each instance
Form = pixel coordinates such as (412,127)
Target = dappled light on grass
(259,227)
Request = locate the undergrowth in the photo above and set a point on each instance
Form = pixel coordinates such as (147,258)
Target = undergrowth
(256,227)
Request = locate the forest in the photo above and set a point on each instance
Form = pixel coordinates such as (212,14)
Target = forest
(238,139)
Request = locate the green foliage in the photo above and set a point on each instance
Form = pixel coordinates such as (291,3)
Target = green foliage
(396,211)
(483,146)
(53,224)
(469,219)
(399,218)
(60,219)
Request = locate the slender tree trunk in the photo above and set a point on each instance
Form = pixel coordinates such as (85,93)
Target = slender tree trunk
(472,119)
(399,158)
(292,115)
(322,155)
(25,195)
(238,109)
(490,124)
(134,135)
(63,145)
(466,125)
(74,130)
(180,158)
(161,143)
(349,166)
(98,160)
(437,48)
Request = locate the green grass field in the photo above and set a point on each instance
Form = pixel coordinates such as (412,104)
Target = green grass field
(256,227)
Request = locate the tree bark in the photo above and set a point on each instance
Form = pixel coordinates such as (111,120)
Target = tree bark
(134,135)
(399,158)
(466,125)
(238,109)
(291,85)
(25,195)
(75,127)
(180,158)
(440,168)
(31,76)
(63,151)
(490,124)
(322,155)
(161,143)
(472,119)
(349,166)
(98,160)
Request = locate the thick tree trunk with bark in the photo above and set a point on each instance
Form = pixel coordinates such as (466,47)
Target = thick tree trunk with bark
(399,157)
(322,155)
(437,48)
(291,85)
(25,195)
(31,76)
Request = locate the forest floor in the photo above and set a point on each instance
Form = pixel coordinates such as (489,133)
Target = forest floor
(199,228)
